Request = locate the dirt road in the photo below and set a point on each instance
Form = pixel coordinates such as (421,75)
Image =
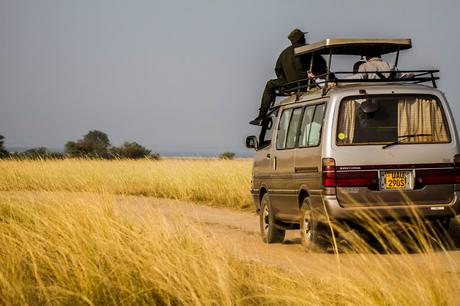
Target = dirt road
(238,232)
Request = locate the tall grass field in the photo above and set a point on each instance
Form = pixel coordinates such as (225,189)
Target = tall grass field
(75,244)
(216,182)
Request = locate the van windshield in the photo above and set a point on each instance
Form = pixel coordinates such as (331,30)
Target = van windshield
(384,119)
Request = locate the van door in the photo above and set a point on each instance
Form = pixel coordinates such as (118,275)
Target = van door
(307,163)
(263,163)
(283,190)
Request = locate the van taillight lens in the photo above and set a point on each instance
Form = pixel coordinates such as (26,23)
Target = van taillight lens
(440,176)
(357,179)
(329,175)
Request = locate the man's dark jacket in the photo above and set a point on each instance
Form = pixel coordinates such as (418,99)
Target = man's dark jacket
(291,68)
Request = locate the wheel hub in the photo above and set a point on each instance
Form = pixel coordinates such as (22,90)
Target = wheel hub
(266,219)
(307,225)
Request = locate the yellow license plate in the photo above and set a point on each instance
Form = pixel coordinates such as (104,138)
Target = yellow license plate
(397,180)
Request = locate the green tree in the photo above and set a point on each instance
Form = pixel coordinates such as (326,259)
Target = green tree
(97,143)
(132,150)
(94,144)
(73,149)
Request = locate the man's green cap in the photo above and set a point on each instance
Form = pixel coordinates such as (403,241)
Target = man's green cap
(296,35)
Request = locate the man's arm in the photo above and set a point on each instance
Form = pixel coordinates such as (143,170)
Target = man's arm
(319,65)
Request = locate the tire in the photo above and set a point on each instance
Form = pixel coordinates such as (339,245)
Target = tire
(270,232)
(314,235)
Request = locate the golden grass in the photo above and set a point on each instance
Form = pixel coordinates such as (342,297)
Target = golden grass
(222,182)
(72,248)
(62,250)
(68,249)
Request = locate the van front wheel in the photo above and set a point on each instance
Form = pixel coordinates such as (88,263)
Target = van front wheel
(313,234)
(270,232)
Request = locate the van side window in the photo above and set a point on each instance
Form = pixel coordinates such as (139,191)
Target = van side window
(283,128)
(305,127)
(315,130)
(310,130)
(293,128)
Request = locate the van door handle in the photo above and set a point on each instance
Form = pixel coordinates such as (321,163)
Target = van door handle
(268,156)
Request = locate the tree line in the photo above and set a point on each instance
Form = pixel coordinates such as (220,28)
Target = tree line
(95,144)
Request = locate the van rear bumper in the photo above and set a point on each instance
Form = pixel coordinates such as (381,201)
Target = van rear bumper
(336,211)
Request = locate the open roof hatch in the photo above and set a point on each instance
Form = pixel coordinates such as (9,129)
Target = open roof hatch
(355,46)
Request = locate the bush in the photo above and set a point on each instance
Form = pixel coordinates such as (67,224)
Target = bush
(132,150)
(36,153)
(154,156)
(94,144)
(3,152)
(227,155)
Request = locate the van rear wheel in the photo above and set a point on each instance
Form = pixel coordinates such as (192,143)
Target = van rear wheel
(313,234)
(270,232)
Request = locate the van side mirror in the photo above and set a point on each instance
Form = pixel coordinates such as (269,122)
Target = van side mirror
(251,142)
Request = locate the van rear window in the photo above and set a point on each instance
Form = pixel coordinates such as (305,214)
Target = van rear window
(383,119)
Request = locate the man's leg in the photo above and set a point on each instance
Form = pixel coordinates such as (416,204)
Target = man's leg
(268,97)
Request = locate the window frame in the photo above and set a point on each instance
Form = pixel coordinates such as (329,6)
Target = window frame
(302,110)
(264,130)
(287,131)
(303,107)
(313,116)
(424,96)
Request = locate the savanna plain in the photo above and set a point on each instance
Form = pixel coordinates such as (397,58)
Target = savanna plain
(183,232)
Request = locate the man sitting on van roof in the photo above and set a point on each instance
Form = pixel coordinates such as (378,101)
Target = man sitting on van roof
(372,67)
(289,68)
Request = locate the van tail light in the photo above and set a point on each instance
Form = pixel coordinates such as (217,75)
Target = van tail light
(329,174)
(358,179)
(440,176)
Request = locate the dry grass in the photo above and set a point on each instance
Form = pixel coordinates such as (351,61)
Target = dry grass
(66,248)
(61,250)
(221,182)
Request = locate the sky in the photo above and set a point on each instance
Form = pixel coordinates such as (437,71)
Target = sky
(183,77)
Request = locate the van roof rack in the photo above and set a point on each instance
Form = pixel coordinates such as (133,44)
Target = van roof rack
(305,85)
(356,46)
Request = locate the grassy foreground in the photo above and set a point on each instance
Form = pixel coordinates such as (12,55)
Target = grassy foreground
(73,248)
(65,249)
(62,250)
(222,182)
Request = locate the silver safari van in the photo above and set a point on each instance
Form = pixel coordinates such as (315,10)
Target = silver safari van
(385,147)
